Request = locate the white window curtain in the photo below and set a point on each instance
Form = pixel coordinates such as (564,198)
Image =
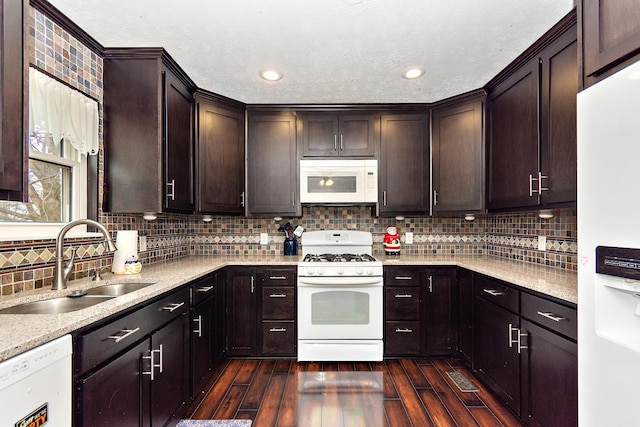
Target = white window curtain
(64,112)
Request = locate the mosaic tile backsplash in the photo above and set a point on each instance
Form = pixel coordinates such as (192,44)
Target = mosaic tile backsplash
(26,265)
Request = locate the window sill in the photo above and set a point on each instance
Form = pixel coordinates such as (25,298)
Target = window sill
(20,232)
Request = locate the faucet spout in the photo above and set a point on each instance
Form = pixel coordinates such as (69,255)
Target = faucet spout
(62,271)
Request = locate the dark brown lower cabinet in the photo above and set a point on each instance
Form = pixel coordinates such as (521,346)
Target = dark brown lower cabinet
(241,311)
(441,324)
(465,315)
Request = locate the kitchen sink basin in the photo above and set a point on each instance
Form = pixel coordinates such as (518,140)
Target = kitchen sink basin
(53,306)
(117,289)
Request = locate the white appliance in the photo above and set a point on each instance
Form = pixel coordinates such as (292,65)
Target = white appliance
(609,218)
(35,386)
(338,181)
(340,298)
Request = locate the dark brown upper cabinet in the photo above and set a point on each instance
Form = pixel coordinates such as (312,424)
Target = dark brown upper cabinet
(458,157)
(14,154)
(404,164)
(610,36)
(272,165)
(220,154)
(532,126)
(333,134)
(149,150)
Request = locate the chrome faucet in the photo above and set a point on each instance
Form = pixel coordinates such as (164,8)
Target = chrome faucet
(62,271)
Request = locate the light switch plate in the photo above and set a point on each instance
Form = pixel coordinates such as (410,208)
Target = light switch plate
(142,244)
(264,238)
(542,243)
(408,238)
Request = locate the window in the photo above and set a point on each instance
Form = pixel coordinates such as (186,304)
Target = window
(63,130)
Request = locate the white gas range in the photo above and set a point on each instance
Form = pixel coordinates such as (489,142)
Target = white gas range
(340,298)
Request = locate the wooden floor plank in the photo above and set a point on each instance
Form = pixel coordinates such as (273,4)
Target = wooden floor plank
(289,408)
(485,417)
(210,403)
(229,405)
(436,410)
(268,413)
(408,395)
(256,390)
(414,373)
(396,416)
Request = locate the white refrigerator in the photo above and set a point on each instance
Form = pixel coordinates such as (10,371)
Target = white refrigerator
(609,277)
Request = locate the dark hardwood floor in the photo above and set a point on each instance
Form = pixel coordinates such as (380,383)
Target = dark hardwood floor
(405,392)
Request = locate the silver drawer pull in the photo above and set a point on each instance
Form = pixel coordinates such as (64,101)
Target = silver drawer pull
(404,296)
(278,296)
(278,330)
(173,307)
(204,289)
(551,316)
(405,330)
(493,292)
(277,277)
(199,330)
(403,278)
(127,333)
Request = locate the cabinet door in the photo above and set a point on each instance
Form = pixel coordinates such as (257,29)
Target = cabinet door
(558,153)
(441,324)
(357,136)
(494,360)
(169,387)
(202,344)
(178,145)
(13,103)
(458,158)
(465,315)
(611,33)
(113,395)
(404,164)
(273,172)
(220,183)
(241,312)
(513,139)
(549,378)
(220,333)
(320,135)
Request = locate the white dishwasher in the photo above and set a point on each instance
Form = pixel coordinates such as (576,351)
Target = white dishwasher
(35,386)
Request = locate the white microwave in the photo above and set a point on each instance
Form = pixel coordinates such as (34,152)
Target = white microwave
(338,181)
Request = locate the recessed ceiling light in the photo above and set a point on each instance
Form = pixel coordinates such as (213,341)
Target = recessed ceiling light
(413,73)
(271,75)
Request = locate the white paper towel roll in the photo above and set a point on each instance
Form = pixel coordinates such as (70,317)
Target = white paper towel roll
(127,243)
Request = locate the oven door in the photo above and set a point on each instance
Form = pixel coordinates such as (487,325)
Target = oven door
(340,308)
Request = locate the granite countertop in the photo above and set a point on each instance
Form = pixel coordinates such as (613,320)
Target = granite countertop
(21,332)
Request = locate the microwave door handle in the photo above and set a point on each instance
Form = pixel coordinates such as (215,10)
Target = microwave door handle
(335,142)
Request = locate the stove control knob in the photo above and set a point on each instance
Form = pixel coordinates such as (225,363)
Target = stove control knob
(359,271)
(321,271)
(370,271)
(311,271)
(340,270)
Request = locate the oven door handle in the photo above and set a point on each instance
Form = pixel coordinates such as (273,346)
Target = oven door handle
(340,281)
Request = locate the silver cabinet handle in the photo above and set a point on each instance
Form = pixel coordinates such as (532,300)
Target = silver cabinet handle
(518,340)
(173,307)
(341,144)
(171,194)
(242,199)
(293,198)
(493,292)
(199,330)
(531,179)
(335,142)
(278,296)
(430,284)
(403,277)
(404,330)
(277,277)
(540,187)
(204,289)
(160,364)
(551,316)
(127,333)
(435,198)
(404,296)
(252,285)
(278,330)
(384,198)
(152,364)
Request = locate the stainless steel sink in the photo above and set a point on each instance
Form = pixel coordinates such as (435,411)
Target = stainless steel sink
(53,306)
(117,289)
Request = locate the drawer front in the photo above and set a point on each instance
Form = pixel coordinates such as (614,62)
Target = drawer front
(402,339)
(498,293)
(402,276)
(278,276)
(557,317)
(278,303)
(203,289)
(100,344)
(402,303)
(278,338)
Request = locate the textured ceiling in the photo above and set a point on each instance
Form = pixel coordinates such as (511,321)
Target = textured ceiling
(330,51)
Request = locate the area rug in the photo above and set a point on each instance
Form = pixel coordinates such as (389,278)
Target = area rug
(463,383)
(214,423)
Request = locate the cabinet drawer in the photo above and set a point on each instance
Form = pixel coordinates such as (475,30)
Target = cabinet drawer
(554,316)
(402,338)
(498,293)
(278,276)
(202,289)
(402,303)
(402,277)
(278,338)
(98,345)
(278,303)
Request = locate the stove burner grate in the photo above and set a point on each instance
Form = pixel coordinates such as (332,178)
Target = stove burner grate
(338,258)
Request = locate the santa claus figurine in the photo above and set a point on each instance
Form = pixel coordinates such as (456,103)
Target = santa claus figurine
(391,241)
